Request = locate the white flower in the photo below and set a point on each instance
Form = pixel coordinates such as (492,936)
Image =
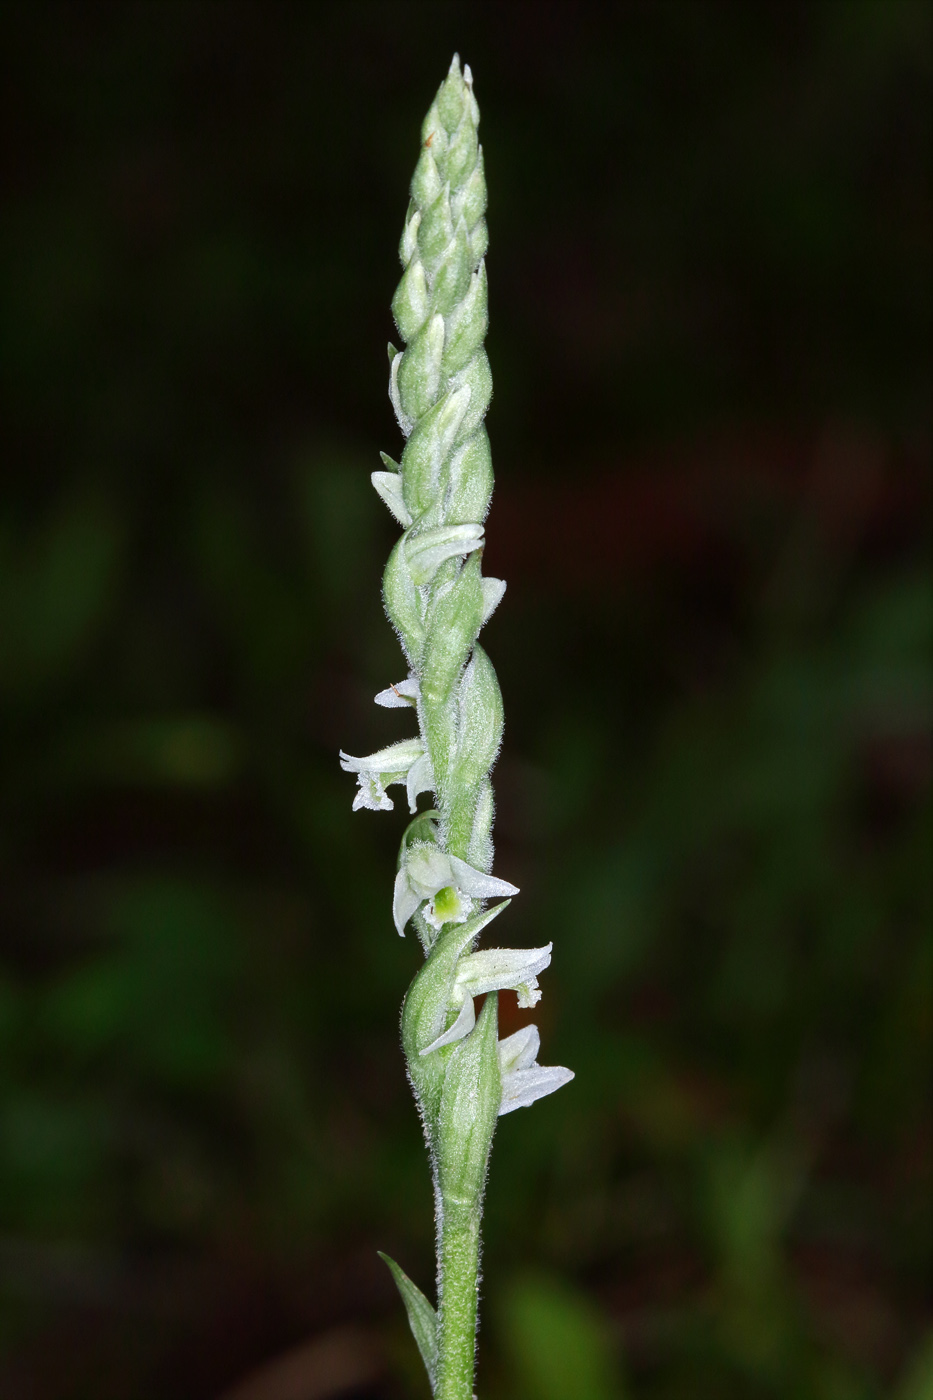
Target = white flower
(523,1079)
(405,763)
(446,882)
(492,970)
(400,695)
(389,487)
(427,551)
(493,590)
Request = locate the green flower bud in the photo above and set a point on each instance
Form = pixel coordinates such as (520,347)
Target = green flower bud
(436,231)
(411,302)
(409,240)
(426,183)
(451,97)
(478,376)
(467,324)
(419,370)
(471,478)
(428,447)
(480,721)
(469,201)
(452,280)
(455,622)
(479,240)
(402,602)
(461,154)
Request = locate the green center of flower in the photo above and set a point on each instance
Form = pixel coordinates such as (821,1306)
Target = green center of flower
(446,903)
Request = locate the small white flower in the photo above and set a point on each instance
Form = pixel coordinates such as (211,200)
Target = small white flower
(492,970)
(446,882)
(523,1079)
(399,696)
(427,551)
(389,487)
(405,763)
(493,591)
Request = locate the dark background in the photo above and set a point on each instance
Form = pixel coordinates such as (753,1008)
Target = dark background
(710,232)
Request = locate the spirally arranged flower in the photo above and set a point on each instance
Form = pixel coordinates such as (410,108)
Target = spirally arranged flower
(437,599)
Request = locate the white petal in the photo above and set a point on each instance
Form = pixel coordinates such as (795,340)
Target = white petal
(477,884)
(523,1086)
(460,1028)
(420,779)
(397,758)
(404,901)
(519,1051)
(496,969)
(389,487)
(428,870)
(399,696)
(425,553)
(493,589)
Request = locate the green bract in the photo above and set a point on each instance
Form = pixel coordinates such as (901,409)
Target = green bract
(440,384)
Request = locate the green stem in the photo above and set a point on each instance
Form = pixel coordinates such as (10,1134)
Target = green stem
(459,1241)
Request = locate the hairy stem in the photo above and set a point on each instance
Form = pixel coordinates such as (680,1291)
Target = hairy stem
(457,1312)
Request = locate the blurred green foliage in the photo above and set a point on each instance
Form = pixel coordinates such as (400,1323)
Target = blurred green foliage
(710,231)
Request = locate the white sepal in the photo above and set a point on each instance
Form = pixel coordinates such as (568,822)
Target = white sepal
(420,779)
(389,487)
(475,883)
(396,758)
(519,1051)
(500,969)
(521,1088)
(399,696)
(404,422)
(523,1080)
(464,1023)
(405,901)
(493,590)
(425,553)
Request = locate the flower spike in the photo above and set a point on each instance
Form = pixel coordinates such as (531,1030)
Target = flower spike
(438,601)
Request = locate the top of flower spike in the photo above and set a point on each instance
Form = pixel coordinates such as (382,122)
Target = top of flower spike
(454,99)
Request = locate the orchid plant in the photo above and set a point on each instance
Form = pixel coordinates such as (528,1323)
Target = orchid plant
(463,1076)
